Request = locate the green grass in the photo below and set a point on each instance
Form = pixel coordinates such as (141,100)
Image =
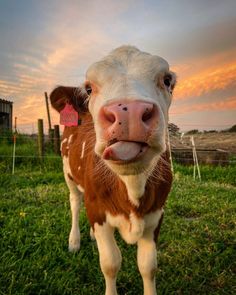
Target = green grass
(196,249)
(219,174)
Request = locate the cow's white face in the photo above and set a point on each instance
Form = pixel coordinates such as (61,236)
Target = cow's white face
(130,94)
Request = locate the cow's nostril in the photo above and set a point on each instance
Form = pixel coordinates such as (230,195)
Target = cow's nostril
(110,117)
(147,114)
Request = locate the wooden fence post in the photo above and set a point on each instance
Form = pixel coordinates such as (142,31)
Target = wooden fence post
(169,148)
(51,138)
(195,160)
(40,138)
(57,140)
(14,147)
(48,113)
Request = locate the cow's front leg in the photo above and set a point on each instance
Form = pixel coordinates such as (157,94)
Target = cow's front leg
(147,261)
(109,254)
(75,200)
(74,238)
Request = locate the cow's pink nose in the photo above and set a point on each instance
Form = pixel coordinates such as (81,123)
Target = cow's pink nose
(131,121)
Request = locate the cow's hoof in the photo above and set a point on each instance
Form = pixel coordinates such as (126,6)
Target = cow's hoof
(74,242)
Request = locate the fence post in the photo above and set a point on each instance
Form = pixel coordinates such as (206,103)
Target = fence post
(40,138)
(48,113)
(57,140)
(51,138)
(14,147)
(195,160)
(14,153)
(169,148)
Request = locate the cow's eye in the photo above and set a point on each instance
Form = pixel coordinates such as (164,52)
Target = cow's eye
(88,89)
(167,81)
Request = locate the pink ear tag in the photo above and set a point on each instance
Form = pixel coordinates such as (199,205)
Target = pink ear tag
(69,116)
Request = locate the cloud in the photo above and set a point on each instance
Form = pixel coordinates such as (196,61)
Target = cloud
(208,80)
(54,42)
(227,104)
(59,53)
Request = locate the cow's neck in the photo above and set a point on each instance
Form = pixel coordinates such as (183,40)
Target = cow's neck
(135,184)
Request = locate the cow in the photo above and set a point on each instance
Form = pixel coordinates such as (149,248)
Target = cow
(117,156)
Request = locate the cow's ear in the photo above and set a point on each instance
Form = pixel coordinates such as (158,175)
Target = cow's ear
(76,96)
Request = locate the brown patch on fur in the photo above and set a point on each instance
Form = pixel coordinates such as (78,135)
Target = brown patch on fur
(104,191)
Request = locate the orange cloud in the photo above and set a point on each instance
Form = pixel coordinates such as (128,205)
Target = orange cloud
(228,104)
(206,81)
(57,56)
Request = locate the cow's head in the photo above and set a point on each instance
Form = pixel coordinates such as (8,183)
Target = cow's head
(128,93)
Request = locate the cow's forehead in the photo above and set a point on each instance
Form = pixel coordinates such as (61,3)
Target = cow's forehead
(126,60)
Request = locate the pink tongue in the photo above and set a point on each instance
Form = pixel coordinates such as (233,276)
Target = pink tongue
(122,150)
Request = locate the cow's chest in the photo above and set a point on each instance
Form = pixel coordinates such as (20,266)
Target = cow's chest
(133,228)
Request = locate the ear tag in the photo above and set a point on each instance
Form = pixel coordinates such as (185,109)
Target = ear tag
(69,116)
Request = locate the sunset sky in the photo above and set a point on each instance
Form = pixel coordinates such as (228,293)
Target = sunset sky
(50,42)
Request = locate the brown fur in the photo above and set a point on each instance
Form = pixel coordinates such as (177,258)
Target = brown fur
(103,190)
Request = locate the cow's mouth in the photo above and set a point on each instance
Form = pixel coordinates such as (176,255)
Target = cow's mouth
(124,151)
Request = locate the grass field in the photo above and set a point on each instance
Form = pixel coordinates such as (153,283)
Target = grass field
(196,249)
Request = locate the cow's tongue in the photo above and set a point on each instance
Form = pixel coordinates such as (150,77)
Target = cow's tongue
(122,151)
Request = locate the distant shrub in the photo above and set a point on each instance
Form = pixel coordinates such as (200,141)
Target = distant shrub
(210,131)
(193,131)
(6,136)
(173,129)
(232,129)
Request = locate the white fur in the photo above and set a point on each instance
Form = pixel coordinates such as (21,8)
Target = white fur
(135,185)
(126,73)
(109,255)
(132,76)
(133,230)
(135,182)
(75,200)
(70,139)
(80,188)
(82,152)
(66,166)
(147,262)
(63,141)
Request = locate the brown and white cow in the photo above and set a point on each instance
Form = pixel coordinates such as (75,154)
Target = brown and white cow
(117,156)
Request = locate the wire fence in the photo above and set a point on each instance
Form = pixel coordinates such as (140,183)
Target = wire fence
(22,151)
(185,127)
